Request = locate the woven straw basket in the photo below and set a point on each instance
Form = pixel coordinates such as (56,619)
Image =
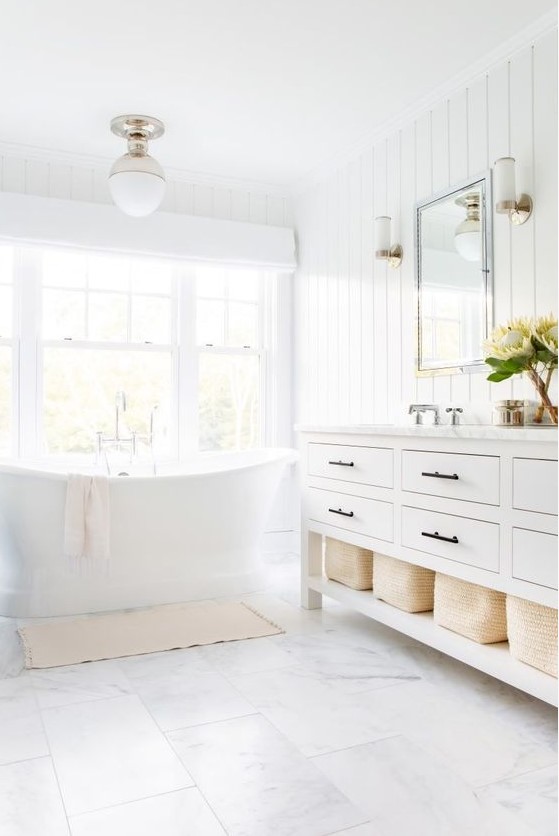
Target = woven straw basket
(402,584)
(471,610)
(347,564)
(533,634)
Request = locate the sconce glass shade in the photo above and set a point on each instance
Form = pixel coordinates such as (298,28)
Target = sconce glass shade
(137,184)
(505,184)
(467,240)
(382,236)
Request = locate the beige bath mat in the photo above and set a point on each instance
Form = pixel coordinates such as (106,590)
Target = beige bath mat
(90,638)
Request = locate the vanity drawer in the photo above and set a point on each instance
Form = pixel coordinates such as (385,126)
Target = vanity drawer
(472,542)
(534,557)
(452,475)
(535,485)
(353,513)
(352,463)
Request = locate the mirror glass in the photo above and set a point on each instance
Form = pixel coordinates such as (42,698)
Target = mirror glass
(454,290)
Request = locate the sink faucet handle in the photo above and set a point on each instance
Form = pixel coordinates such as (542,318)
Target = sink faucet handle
(455,411)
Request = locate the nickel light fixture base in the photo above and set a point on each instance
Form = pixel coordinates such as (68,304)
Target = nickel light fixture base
(518,210)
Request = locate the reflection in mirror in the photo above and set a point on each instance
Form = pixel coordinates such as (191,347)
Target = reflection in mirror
(453,278)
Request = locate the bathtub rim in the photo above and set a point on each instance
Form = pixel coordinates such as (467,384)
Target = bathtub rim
(287,455)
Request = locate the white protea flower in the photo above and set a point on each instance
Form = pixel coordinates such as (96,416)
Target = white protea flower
(545,329)
(511,340)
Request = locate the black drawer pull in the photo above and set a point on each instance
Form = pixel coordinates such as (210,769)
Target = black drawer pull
(339,511)
(343,464)
(437,536)
(437,475)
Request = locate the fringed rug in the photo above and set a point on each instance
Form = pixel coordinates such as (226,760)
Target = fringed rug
(91,638)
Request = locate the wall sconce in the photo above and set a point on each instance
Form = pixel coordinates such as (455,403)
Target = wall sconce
(506,202)
(384,250)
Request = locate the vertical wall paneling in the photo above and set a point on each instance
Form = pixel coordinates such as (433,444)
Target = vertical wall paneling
(13,170)
(367,295)
(36,178)
(81,183)
(332,355)
(222,203)
(441,179)
(364,309)
(478,161)
(343,294)
(408,267)
(393,283)
(257,208)
(60,181)
(545,173)
(355,280)
(380,277)
(424,188)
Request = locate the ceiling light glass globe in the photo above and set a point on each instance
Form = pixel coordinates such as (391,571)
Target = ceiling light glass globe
(137,184)
(467,240)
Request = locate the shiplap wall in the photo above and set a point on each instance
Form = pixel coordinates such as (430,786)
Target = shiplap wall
(51,178)
(355,315)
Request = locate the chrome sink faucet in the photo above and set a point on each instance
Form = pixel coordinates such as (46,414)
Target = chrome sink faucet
(455,412)
(419,409)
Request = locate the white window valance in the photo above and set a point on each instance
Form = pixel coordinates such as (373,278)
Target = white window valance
(96,226)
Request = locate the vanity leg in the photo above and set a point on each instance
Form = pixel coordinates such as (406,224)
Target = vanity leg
(311,564)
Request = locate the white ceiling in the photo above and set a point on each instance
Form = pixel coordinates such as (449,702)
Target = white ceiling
(255,89)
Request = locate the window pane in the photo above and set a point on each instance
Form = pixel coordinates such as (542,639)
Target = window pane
(79,396)
(109,273)
(108,316)
(6,264)
(5,399)
(64,269)
(243,285)
(151,319)
(243,324)
(149,276)
(210,282)
(63,314)
(228,402)
(210,317)
(5,311)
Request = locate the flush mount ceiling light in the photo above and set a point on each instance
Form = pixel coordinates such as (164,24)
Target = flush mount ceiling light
(136,180)
(467,236)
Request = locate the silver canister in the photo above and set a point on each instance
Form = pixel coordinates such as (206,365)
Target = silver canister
(508,413)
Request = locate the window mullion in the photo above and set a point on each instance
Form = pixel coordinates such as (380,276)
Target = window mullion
(187,364)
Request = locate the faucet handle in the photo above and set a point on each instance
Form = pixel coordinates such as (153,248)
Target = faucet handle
(454,412)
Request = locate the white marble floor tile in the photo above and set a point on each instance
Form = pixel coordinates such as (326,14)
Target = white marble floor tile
(361,830)
(182,813)
(365,630)
(343,663)
(531,797)
(79,683)
(108,752)
(402,789)
(30,802)
(180,689)
(475,744)
(537,719)
(313,714)
(258,784)
(247,656)
(21,729)
(188,662)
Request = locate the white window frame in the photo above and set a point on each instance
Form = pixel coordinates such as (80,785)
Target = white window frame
(273,350)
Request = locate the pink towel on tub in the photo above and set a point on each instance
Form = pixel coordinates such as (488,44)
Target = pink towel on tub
(87,521)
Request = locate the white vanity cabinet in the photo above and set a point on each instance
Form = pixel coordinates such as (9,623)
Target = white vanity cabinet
(479,504)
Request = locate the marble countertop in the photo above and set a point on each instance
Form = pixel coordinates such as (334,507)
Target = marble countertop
(477,431)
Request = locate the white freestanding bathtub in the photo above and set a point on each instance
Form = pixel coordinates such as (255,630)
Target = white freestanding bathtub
(188,533)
